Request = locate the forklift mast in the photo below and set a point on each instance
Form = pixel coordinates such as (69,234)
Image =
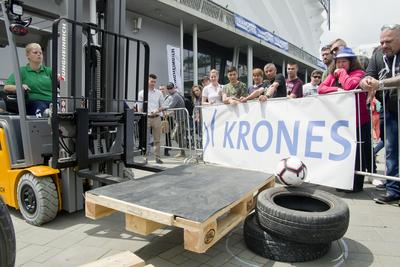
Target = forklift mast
(90,123)
(100,72)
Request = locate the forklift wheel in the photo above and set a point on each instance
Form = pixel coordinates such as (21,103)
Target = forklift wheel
(37,199)
(7,238)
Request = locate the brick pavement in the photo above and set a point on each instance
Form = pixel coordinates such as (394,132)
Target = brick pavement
(373,239)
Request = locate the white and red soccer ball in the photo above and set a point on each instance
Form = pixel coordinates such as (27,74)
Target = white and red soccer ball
(291,171)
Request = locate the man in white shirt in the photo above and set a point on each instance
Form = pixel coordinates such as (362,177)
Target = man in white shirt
(155,101)
(311,87)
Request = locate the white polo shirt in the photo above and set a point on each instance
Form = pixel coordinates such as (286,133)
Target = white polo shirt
(213,93)
(155,101)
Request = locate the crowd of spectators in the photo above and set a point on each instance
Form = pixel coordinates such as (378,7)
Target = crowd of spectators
(344,71)
(376,105)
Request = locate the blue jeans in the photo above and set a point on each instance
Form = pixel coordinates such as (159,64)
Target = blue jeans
(381,142)
(35,105)
(392,153)
(379,146)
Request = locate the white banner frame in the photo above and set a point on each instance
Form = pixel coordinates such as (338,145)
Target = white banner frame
(320,130)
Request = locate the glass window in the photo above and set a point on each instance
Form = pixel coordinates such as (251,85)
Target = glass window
(204,64)
(242,73)
(224,78)
(187,70)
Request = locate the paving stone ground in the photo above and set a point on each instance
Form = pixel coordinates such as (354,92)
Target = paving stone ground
(373,239)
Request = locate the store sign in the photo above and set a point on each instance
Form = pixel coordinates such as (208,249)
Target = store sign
(259,32)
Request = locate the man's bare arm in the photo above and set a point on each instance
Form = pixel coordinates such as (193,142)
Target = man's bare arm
(255,93)
(392,82)
(272,89)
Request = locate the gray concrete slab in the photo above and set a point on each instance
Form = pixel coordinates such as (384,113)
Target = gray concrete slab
(373,239)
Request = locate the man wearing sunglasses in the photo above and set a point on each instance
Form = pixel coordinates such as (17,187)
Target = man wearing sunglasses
(311,87)
(384,71)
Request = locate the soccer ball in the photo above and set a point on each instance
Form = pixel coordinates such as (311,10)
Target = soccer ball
(291,171)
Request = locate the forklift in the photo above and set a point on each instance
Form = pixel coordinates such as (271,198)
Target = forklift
(88,137)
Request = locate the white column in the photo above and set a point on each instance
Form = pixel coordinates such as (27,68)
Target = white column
(249,65)
(284,68)
(181,49)
(235,58)
(195,67)
(306,77)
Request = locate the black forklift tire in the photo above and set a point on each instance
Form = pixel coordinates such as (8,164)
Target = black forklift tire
(37,199)
(7,238)
(304,215)
(275,248)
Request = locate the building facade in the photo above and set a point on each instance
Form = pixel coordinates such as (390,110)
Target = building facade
(207,34)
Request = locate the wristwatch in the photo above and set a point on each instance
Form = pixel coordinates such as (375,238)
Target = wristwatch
(381,84)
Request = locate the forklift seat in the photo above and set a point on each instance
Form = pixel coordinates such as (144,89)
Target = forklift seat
(11,126)
(11,102)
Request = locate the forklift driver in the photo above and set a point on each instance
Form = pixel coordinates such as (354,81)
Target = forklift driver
(36,81)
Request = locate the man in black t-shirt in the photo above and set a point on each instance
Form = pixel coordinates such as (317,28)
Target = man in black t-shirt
(277,86)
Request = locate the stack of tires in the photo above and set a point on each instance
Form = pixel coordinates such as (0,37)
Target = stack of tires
(294,224)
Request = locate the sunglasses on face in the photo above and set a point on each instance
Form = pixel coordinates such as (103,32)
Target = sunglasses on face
(317,77)
(390,27)
(334,50)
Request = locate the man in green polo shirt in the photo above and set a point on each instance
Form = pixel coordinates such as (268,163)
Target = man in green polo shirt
(36,81)
(235,91)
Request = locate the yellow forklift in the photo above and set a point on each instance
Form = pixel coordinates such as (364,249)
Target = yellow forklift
(46,163)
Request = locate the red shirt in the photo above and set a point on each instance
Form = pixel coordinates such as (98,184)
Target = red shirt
(295,87)
(348,81)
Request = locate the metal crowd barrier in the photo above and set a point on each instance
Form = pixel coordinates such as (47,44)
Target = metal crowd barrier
(136,137)
(178,135)
(197,131)
(372,170)
(377,147)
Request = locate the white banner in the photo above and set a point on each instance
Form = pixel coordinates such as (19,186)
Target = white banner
(321,131)
(174,67)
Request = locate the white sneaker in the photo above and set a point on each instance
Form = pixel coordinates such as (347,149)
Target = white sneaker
(369,179)
(377,182)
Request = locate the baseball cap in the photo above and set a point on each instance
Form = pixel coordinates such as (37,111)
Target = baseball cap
(170,85)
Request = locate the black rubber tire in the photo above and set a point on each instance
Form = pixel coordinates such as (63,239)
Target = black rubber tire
(275,248)
(45,203)
(7,238)
(303,215)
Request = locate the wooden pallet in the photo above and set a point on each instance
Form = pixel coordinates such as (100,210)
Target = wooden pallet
(198,236)
(123,259)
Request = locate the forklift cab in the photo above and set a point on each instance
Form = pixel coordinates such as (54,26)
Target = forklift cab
(88,139)
(8,101)
(25,130)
